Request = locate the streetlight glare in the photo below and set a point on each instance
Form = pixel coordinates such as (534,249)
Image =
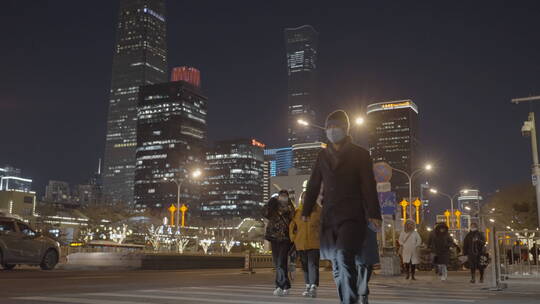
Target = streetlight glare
(468,208)
(196,173)
(492,220)
(360,120)
(429,167)
(433,190)
(302,122)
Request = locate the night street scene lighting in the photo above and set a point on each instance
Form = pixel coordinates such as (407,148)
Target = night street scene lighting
(156,151)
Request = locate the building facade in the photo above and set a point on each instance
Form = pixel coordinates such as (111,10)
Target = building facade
(140,58)
(305,156)
(11,180)
(57,192)
(234,179)
(280,160)
(393,138)
(302,47)
(171,143)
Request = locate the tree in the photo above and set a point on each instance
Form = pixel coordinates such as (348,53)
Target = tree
(513,206)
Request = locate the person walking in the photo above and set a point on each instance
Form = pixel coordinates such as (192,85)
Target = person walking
(474,247)
(440,243)
(409,241)
(345,172)
(535,250)
(279,212)
(305,236)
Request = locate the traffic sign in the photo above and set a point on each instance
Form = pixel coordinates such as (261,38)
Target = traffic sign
(382,172)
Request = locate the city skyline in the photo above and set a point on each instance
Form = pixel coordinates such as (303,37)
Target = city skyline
(452,92)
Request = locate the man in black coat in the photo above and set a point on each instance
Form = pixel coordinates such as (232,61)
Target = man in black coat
(350,202)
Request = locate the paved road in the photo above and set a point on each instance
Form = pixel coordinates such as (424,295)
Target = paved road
(229,286)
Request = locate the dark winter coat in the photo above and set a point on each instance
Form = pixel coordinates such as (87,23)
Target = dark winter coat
(278,220)
(440,244)
(474,246)
(349,197)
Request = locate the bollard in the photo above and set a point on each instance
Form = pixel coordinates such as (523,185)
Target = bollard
(248,265)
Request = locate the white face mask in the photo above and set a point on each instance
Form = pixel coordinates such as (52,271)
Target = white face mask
(474,229)
(335,135)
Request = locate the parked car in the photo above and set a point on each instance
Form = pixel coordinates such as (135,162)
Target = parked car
(20,244)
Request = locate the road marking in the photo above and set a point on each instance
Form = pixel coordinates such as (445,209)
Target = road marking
(79,300)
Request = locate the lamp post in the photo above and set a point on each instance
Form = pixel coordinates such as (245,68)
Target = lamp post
(450,197)
(428,167)
(179,182)
(529,129)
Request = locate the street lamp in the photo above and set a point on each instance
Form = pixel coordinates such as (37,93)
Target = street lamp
(435,191)
(195,174)
(427,167)
(306,123)
(359,120)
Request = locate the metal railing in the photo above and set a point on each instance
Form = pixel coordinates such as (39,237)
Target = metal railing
(517,254)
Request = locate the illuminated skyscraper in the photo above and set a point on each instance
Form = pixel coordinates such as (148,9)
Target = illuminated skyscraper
(302,44)
(393,138)
(140,58)
(171,143)
(234,180)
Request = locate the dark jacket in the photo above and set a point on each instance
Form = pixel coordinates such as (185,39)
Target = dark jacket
(349,196)
(278,222)
(474,244)
(440,244)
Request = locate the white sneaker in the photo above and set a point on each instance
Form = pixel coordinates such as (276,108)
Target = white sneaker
(278,292)
(313,291)
(306,291)
(285,292)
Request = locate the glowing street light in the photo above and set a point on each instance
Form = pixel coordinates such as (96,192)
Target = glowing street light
(451,198)
(492,220)
(306,123)
(359,120)
(194,174)
(410,176)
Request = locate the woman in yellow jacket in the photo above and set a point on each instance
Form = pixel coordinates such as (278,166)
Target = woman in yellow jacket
(305,236)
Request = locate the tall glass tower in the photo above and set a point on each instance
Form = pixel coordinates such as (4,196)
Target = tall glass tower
(140,58)
(302,44)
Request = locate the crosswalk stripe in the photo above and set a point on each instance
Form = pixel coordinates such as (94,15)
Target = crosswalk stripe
(208,300)
(382,292)
(78,300)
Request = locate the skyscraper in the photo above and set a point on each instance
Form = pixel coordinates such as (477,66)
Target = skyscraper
(140,58)
(305,156)
(393,138)
(234,179)
(302,44)
(171,144)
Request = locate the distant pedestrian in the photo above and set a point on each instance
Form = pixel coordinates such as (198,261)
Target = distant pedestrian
(409,241)
(345,172)
(535,250)
(305,236)
(279,212)
(474,247)
(440,243)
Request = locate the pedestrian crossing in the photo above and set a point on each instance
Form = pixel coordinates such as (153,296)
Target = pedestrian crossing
(262,294)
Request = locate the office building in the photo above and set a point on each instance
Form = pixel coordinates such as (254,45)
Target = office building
(234,179)
(18,202)
(393,138)
(305,156)
(12,180)
(302,47)
(171,143)
(57,192)
(280,160)
(140,58)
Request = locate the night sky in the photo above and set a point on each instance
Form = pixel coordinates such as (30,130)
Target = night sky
(460,61)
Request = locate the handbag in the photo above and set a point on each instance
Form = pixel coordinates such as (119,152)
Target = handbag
(400,250)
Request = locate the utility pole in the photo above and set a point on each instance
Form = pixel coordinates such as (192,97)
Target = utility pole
(529,129)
